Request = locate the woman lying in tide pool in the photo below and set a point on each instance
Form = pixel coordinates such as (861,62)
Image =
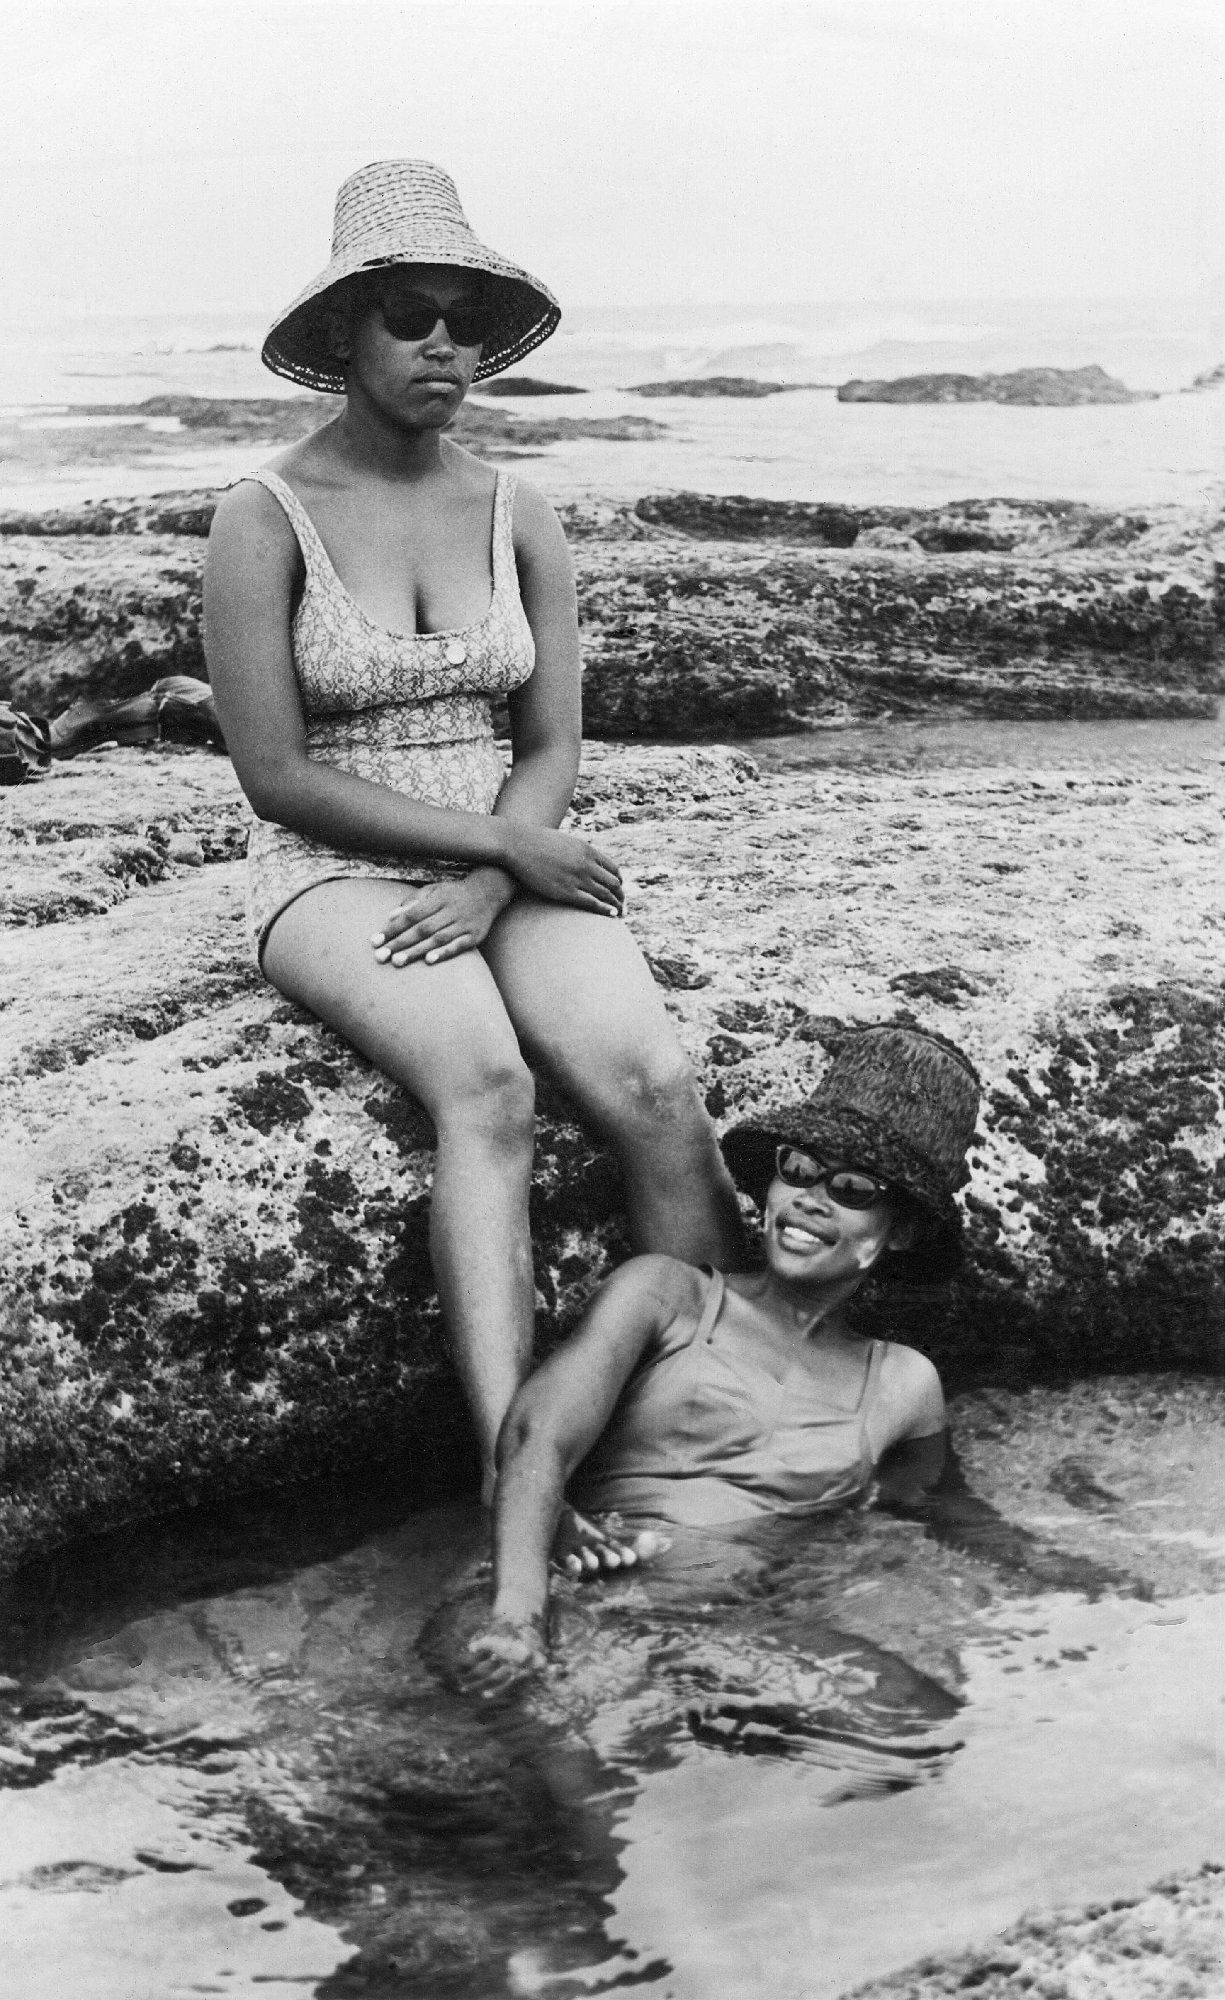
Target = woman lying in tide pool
(720,1418)
(692,1401)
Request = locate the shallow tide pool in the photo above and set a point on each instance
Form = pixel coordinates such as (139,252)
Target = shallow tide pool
(228,1766)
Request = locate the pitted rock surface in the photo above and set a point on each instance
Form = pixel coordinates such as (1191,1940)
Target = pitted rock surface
(214,1233)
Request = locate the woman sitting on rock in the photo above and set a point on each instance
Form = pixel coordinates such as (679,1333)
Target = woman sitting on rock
(694,1401)
(367,595)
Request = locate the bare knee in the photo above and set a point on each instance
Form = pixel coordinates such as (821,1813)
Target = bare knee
(654,1096)
(492,1101)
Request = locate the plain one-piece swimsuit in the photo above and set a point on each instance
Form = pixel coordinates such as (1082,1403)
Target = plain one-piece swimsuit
(410,710)
(705,1435)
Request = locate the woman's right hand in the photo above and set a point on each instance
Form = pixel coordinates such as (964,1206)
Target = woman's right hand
(503,1656)
(563,868)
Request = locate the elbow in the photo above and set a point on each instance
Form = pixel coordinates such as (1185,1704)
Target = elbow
(527,1439)
(272,789)
(559,748)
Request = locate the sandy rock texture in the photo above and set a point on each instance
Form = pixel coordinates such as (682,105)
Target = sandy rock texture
(705,617)
(1166,1945)
(213,1216)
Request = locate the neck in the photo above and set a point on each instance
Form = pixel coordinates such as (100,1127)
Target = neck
(370,440)
(806,1312)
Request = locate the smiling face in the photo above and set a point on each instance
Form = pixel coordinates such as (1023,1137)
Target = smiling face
(419,374)
(810,1240)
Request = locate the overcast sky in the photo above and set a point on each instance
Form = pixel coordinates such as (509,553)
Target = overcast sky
(177,154)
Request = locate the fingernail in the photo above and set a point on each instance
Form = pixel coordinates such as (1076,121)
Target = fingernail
(432,957)
(401,958)
(383,955)
(378,937)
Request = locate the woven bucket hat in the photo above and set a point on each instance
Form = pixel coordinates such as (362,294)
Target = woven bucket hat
(898,1103)
(405,212)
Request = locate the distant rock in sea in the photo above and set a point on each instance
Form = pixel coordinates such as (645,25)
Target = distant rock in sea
(526,385)
(1053,386)
(274,420)
(1209,378)
(720,385)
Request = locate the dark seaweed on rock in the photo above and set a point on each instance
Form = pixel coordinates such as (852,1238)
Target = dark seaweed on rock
(706,616)
(1116,1114)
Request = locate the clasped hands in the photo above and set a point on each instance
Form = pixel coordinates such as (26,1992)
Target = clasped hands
(443,919)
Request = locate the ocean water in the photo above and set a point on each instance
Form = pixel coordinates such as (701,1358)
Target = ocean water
(804,445)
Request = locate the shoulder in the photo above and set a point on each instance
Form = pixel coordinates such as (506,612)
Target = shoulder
(911,1388)
(253,559)
(653,1277)
(245,511)
(538,533)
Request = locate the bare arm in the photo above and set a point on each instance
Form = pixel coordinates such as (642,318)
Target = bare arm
(546,712)
(922,1479)
(551,1426)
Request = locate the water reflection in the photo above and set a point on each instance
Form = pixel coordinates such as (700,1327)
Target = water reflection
(966,742)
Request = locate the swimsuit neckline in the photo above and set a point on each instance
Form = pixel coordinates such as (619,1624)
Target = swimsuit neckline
(390,631)
(710,1316)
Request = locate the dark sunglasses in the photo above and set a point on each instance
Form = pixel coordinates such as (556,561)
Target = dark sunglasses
(416,318)
(844,1185)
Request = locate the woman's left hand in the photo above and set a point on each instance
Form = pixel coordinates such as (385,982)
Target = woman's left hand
(444,919)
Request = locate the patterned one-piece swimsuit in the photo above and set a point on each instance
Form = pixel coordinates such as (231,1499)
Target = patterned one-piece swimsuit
(407,710)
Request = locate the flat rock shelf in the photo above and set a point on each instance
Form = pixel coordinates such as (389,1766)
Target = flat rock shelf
(214,1215)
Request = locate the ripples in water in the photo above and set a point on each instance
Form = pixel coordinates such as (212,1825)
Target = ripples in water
(253,1769)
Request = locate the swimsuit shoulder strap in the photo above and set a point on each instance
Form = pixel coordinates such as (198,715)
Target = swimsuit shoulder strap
(711,1305)
(871,1381)
(314,554)
(504,573)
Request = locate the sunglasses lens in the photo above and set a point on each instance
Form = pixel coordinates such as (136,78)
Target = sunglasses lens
(468,327)
(415,319)
(848,1188)
(851,1190)
(409,322)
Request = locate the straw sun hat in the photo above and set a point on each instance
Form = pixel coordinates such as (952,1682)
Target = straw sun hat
(897,1103)
(405,212)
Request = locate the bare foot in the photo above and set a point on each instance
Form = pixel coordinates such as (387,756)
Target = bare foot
(584,1548)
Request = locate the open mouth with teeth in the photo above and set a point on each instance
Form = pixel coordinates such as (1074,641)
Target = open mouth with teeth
(804,1237)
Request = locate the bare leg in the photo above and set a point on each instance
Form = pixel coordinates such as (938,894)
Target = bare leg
(443,1032)
(579,993)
